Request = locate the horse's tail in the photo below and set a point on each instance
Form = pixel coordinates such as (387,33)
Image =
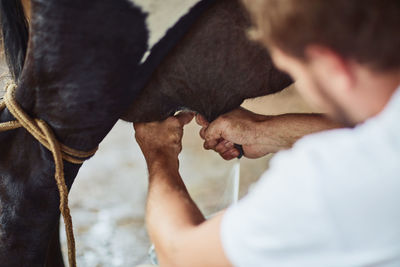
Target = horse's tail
(15,33)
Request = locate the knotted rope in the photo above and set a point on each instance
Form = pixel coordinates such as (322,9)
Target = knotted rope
(42,132)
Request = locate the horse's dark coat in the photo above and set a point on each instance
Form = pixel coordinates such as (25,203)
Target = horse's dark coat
(15,34)
(81,72)
(211,70)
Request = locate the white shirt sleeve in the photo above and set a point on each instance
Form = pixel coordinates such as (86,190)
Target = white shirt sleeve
(280,218)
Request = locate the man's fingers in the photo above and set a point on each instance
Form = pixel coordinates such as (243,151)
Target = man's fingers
(223,146)
(184,117)
(203,133)
(230,154)
(201,121)
(214,131)
(210,144)
(233,153)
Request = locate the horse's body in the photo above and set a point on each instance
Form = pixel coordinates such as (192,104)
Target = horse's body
(85,63)
(211,70)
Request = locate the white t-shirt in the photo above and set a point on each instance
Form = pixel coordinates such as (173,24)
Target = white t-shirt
(332,200)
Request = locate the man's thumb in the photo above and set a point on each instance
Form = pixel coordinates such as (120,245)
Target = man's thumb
(201,121)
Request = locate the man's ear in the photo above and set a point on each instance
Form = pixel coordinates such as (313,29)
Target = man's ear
(331,69)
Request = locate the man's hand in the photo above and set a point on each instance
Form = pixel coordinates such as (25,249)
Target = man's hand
(172,218)
(237,127)
(258,134)
(175,224)
(162,140)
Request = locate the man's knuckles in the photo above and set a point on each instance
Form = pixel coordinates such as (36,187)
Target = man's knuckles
(201,121)
(223,146)
(219,128)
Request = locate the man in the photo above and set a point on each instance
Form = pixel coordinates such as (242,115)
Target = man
(333,199)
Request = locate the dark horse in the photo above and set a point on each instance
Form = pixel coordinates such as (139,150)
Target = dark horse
(82,65)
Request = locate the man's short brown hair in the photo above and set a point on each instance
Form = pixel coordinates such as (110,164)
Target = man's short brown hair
(367,31)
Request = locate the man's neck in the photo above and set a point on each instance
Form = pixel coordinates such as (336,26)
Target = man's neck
(374,91)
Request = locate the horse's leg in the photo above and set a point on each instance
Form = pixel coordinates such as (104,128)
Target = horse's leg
(54,256)
(81,72)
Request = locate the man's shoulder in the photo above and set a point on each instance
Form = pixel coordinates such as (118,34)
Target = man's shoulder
(338,140)
(319,149)
(364,142)
(379,135)
(367,150)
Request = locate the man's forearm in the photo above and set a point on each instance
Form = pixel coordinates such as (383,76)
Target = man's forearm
(170,210)
(259,134)
(280,132)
